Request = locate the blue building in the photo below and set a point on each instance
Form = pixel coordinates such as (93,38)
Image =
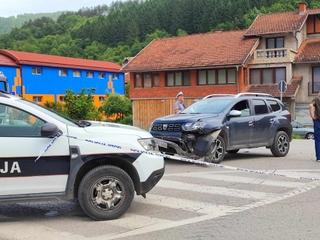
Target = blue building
(46,78)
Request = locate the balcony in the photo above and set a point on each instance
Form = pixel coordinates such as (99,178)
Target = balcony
(274,55)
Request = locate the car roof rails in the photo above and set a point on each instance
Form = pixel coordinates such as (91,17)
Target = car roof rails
(253,94)
(218,95)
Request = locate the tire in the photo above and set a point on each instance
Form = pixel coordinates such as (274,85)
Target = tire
(220,151)
(105,193)
(233,151)
(309,136)
(281,144)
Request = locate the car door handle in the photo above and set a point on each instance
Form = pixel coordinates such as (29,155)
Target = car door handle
(251,123)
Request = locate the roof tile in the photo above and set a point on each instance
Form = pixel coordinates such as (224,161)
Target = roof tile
(194,51)
(276,23)
(54,61)
(309,51)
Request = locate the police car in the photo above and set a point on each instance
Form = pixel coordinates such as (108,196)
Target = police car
(44,155)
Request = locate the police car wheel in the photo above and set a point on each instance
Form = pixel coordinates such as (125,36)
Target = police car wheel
(105,193)
(281,144)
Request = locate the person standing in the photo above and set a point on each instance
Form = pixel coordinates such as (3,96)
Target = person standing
(179,105)
(314,110)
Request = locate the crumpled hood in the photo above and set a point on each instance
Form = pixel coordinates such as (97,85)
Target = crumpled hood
(107,128)
(184,118)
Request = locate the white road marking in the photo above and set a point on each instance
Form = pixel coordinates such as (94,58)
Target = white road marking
(183,204)
(238,179)
(165,226)
(214,190)
(134,221)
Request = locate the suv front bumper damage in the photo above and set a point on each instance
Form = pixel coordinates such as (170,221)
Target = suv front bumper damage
(194,147)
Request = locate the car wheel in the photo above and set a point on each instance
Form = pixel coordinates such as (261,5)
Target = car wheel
(233,151)
(218,153)
(281,144)
(105,193)
(309,136)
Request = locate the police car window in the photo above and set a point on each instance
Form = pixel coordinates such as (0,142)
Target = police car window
(260,107)
(17,123)
(243,107)
(274,105)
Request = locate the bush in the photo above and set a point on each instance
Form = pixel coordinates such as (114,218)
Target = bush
(81,107)
(119,108)
(57,107)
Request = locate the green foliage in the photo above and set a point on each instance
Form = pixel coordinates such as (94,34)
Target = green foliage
(125,27)
(80,106)
(57,107)
(119,107)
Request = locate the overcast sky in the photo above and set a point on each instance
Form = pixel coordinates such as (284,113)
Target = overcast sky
(15,7)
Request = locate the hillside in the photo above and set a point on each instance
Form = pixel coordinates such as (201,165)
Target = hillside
(8,23)
(124,28)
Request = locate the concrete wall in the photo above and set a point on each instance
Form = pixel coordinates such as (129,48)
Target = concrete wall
(304,70)
(289,41)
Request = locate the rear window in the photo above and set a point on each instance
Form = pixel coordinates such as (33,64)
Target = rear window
(260,107)
(274,105)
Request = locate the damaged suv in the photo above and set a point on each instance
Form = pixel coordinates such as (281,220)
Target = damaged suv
(222,123)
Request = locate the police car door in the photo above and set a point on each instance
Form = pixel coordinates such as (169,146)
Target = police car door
(20,145)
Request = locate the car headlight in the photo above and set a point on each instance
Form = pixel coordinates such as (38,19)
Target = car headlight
(193,126)
(149,144)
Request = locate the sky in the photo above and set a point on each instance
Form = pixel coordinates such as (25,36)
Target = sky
(15,7)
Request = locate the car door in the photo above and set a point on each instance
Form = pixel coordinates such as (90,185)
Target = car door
(240,128)
(20,145)
(263,122)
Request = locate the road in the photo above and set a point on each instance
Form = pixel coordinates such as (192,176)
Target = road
(195,202)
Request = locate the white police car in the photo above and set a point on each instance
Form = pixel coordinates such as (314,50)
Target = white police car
(44,155)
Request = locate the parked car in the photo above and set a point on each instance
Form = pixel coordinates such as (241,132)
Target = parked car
(89,162)
(302,131)
(246,120)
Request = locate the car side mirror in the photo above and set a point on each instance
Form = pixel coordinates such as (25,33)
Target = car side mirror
(50,130)
(234,113)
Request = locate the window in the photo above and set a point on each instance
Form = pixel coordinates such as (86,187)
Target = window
(76,73)
(243,107)
(62,98)
(36,70)
(267,75)
(37,99)
(274,105)
(138,80)
(102,75)
(146,80)
(313,24)
(277,42)
(18,123)
(219,76)
(89,74)
(181,78)
(260,107)
(315,79)
(63,72)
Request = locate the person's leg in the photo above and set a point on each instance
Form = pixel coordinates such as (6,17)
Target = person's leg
(317,138)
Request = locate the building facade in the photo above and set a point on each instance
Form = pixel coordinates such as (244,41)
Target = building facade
(46,78)
(276,47)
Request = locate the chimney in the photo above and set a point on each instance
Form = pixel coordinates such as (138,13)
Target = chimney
(303,6)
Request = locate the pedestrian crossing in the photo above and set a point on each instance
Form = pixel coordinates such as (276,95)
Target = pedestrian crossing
(194,200)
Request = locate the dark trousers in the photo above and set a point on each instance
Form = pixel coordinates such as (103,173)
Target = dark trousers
(317,137)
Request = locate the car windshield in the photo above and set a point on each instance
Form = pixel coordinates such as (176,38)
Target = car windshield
(210,106)
(51,113)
